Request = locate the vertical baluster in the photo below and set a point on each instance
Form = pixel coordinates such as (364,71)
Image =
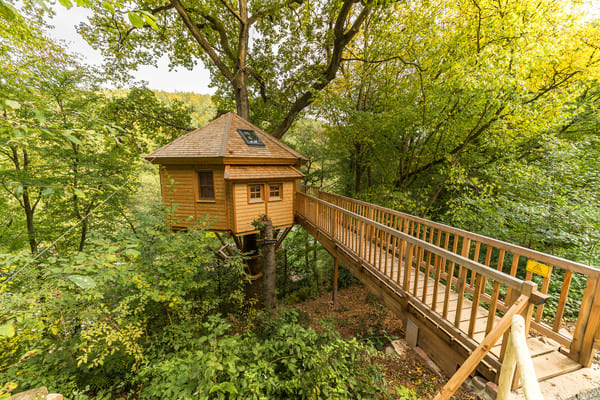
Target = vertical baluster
(544,289)
(475,303)
(472,282)
(408,266)
(501,259)
(514,265)
(361,244)
(438,272)
(493,306)
(449,278)
(562,300)
(427,267)
(401,244)
(462,277)
(420,256)
(386,253)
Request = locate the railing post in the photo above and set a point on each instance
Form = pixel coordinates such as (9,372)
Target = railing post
(578,351)
(333,223)
(335,279)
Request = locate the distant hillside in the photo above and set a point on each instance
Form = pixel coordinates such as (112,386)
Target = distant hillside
(202,105)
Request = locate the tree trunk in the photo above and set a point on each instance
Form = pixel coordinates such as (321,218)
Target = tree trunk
(241,97)
(269,275)
(250,248)
(29,211)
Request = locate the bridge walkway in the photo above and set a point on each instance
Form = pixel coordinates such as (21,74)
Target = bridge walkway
(442,279)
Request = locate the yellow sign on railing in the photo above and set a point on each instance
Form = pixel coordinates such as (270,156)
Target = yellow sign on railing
(538,268)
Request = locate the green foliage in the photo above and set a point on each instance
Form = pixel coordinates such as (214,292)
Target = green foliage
(304,268)
(286,361)
(96,317)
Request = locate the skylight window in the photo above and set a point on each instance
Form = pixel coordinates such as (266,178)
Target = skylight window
(251,138)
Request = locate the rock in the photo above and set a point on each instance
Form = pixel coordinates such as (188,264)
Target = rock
(54,396)
(33,394)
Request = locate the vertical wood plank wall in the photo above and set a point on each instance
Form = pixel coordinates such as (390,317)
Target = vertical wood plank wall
(281,211)
(180,190)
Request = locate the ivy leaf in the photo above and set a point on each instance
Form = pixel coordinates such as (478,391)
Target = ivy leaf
(135,19)
(84,282)
(7,330)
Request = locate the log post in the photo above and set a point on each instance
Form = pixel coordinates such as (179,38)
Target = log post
(268,252)
(250,248)
(335,278)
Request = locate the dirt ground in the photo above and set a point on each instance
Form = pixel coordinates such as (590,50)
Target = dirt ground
(358,313)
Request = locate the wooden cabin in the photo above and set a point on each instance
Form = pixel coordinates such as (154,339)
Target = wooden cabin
(228,173)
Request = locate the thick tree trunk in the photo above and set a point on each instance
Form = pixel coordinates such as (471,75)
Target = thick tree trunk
(269,275)
(241,96)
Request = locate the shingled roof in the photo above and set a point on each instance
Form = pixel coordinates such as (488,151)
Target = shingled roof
(220,139)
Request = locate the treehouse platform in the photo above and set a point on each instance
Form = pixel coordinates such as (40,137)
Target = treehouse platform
(456,290)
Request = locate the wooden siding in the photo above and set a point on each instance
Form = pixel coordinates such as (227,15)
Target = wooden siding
(280,211)
(180,190)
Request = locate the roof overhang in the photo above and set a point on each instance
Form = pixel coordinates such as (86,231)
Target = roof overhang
(261,172)
(221,160)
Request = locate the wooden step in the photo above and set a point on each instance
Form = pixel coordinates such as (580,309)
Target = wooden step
(553,364)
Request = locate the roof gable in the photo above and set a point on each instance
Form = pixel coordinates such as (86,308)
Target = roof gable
(221,139)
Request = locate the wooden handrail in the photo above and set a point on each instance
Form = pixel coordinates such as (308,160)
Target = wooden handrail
(524,251)
(496,275)
(484,347)
(580,345)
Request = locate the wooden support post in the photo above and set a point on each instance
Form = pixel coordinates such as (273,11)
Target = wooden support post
(518,354)
(268,251)
(335,278)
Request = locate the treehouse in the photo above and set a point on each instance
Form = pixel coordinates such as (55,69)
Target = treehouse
(228,173)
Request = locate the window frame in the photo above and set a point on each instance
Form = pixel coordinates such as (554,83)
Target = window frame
(280,191)
(250,143)
(252,200)
(199,198)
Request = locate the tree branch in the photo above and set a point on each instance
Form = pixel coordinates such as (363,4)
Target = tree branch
(259,14)
(196,34)
(232,11)
(341,39)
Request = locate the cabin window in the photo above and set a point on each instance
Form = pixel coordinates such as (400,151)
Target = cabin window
(206,187)
(275,191)
(255,193)
(251,138)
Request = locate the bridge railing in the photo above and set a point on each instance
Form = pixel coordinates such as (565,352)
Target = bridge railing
(433,278)
(508,258)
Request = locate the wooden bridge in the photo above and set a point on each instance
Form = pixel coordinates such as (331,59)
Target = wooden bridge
(458,288)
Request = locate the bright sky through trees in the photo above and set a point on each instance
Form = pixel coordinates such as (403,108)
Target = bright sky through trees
(179,80)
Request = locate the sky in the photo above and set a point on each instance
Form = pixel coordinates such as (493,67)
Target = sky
(178,80)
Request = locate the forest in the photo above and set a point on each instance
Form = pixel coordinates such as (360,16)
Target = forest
(479,114)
